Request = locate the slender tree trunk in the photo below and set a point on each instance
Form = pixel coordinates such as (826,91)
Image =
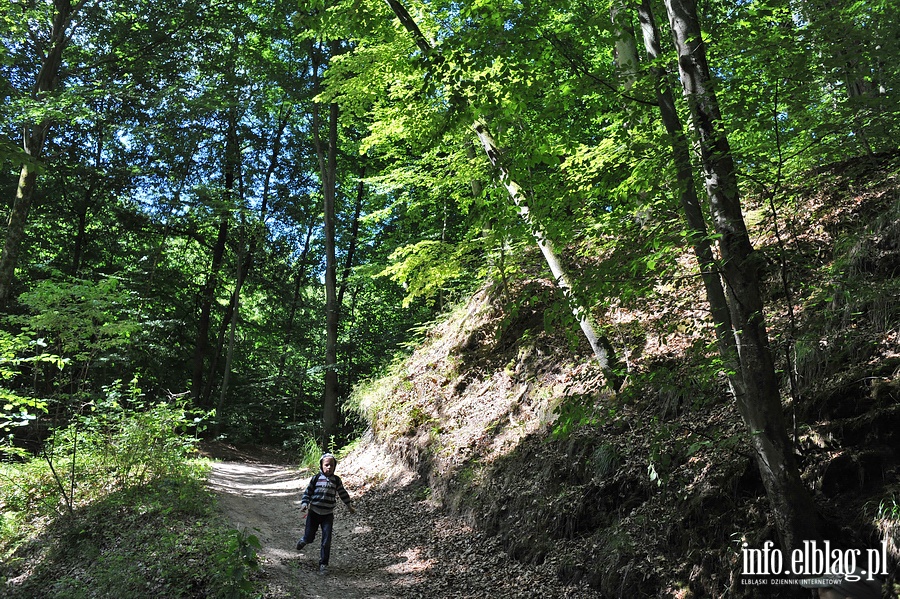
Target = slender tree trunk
(81,233)
(229,353)
(172,208)
(693,212)
(754,384)
(199,391)
(626,48)
(84,207)
(245,264)
(295,299)
(354,235)
(328,168)
(600,346)
(230,312)
(274,156)
(842,52)
(207,297)
(34,136)
(332,308)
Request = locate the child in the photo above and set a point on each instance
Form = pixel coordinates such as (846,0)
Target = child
(320,498)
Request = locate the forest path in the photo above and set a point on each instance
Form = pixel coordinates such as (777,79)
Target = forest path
(397,545)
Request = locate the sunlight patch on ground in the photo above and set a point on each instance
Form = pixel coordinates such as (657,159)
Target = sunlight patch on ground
(413,564)
(263,481)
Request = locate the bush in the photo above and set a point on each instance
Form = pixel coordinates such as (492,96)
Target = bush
(162,539)
(117,444)
(137,518)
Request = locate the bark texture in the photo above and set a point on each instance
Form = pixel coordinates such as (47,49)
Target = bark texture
(690,203)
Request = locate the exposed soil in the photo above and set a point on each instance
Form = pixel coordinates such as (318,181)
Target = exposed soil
(398,544)
(648,493)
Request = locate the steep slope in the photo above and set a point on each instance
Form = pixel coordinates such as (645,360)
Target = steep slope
(652,492)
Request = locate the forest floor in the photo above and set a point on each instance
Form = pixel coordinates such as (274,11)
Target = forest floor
(398,544)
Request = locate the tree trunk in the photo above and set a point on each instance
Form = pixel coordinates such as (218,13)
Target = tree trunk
(354,235)
(754,384)
(207,297)
(841,45)
(33,140)
(84,207)
(600,346)
(681,157)
(245,264)
(227,319)
(295,298)
(199,391)
(332,308)
(81,232)
(229,352)
(15,231)
(328,168)
(626,48)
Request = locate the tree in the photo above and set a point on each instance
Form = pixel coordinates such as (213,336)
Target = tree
(34,135)
(754,384)
(687,188)
(200,383)
(327,156)
(600,346)
(854,44)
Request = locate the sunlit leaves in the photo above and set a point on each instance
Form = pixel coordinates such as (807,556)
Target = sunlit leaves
(82,319)
(425,268)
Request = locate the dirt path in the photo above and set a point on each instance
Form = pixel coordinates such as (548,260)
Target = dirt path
(397,545)
(264,500)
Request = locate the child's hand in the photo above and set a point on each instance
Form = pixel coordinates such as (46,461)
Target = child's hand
(303,507)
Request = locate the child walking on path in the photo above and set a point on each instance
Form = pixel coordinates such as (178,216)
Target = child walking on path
(320,499)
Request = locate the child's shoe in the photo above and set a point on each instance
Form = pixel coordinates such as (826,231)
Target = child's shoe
(301,544)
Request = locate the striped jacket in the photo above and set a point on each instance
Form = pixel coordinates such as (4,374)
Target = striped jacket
(322,493)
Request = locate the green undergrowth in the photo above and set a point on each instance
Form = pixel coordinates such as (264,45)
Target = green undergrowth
(114,505)
(160,539)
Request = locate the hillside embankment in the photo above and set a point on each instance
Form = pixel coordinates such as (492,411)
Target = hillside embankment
(653,491)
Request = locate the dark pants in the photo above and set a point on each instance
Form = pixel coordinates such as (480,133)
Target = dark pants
(313,521)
